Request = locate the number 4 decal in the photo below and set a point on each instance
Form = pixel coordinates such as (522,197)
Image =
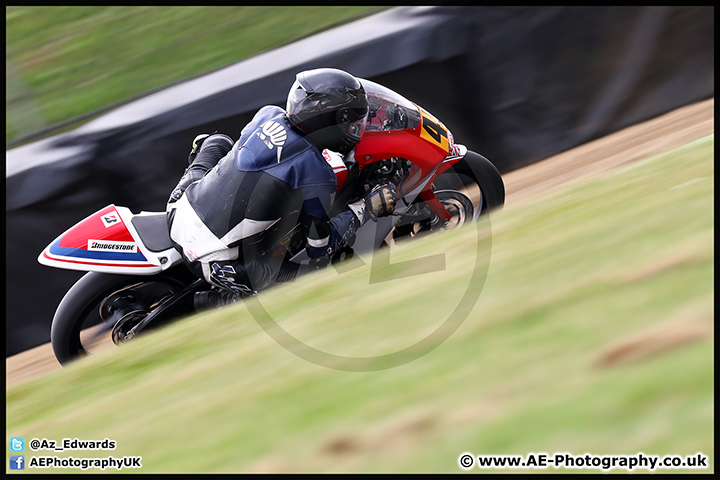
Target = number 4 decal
(434,131)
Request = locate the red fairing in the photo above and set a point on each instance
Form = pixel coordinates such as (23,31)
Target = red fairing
(427,146)
(103,225)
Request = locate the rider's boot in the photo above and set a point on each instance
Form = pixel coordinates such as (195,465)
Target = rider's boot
(206,152)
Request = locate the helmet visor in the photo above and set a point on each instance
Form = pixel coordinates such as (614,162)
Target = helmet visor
(355,129)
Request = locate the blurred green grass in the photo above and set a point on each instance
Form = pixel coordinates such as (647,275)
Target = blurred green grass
(593,334)
(66,61)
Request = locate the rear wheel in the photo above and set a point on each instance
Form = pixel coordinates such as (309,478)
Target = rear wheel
(101,310)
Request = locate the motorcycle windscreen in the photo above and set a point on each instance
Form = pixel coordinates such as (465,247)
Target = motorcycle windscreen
(103,242)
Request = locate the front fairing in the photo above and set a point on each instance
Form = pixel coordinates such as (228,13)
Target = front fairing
(397,127)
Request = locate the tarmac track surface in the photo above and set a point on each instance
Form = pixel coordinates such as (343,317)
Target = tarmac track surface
(627,146)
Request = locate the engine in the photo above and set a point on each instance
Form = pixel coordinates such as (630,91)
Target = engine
(391,170)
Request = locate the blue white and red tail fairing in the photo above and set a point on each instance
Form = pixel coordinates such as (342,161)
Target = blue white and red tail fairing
(107,241)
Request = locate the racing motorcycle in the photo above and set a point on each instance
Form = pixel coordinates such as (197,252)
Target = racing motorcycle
(137,280)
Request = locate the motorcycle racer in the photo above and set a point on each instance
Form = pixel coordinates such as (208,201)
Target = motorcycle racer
(230,204)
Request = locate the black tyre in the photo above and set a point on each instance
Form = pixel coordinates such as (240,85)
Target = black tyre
(90,312)
(478,170)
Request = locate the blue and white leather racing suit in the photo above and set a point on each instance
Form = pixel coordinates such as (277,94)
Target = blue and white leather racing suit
(248,194)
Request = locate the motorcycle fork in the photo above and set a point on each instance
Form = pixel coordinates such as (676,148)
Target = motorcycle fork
(428,196)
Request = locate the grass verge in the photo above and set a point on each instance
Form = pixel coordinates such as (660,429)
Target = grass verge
(63,62)
(592,334)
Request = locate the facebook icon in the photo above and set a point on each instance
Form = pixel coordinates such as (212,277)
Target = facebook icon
(17,462)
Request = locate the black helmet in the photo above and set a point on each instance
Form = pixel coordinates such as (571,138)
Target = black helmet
(330,106)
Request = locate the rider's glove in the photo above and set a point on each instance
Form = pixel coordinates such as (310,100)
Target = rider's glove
(380,202)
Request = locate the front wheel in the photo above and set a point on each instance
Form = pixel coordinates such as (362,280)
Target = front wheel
(474,171)
(459,205)
(469,189)
(101,309)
